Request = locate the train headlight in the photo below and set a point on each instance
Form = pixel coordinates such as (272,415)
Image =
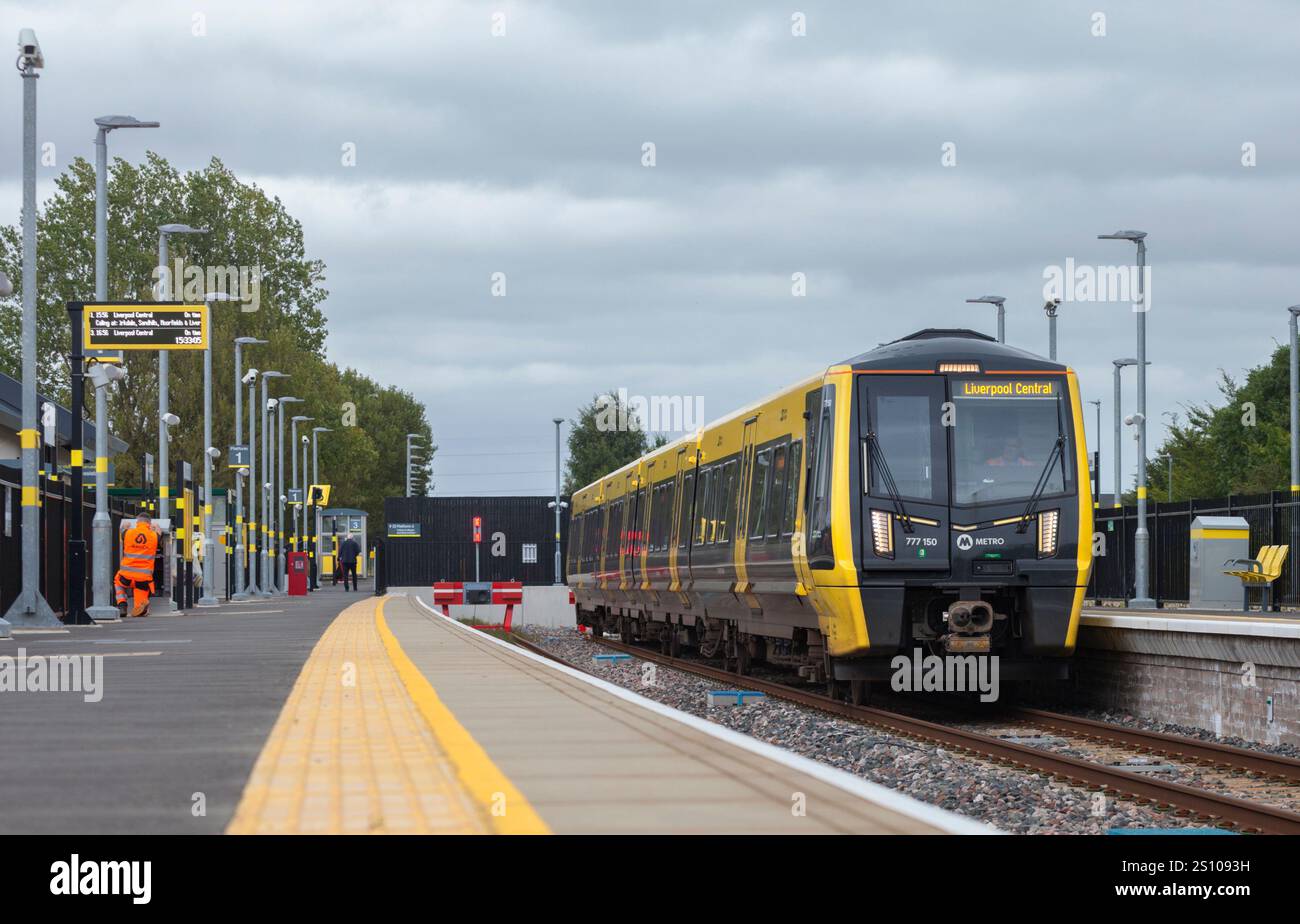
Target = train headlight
(1047,523)
(882,533)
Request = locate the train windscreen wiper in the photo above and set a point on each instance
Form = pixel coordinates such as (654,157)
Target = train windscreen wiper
(887,478)
(1044,478)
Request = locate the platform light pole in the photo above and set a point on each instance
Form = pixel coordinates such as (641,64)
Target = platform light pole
(281,501)
(302,508)
(1119,414)
(210,454)
(409,437)
(269,588)
(240,578)
(1051,307)
(1294,311)
(254,570)
(165,290)
(1142,537)
(101,527)
(293,454)
(315,479)
(996,300)
(558,504)
(30,609)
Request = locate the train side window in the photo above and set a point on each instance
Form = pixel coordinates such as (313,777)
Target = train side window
(776,493)
(684,521)
(703,498)
(758,492)
(727,501)
(792,488)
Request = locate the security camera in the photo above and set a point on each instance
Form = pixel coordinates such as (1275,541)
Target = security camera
(271,404)
(249,377)
(214,452)
(29,50)
(241,473)
(170,420)
(1132,419)
(1051,306)
(101,374)
(305,441)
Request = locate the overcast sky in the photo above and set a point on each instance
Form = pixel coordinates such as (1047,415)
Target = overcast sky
(775,154)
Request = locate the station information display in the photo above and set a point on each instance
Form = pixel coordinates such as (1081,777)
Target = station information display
(145,326)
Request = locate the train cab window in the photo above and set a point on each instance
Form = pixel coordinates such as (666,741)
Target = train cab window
(1002,443)
(776,493)
(793,472)
(758,492)
(684,521)
(905,414)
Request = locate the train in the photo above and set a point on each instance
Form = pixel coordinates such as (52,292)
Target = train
(930,495)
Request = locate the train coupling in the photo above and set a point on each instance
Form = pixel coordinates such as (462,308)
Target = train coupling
(969,624)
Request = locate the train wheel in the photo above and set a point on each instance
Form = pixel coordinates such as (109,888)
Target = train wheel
(742,657)
(860,692)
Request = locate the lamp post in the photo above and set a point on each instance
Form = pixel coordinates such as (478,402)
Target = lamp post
(101,527)
(302,507)
(315,479)
(269,588)
(293,453)
(210,454)
(1051,307)
(1119,364)
(1293,311)
(557,503)
(240,343)
(997,301)
(30,609)
(281,502)
(409,437)
(165,289)
(1142,537)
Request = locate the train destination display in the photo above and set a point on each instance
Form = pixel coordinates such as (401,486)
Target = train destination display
(146,327)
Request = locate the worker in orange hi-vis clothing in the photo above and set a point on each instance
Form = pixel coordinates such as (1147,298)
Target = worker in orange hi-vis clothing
(139,546)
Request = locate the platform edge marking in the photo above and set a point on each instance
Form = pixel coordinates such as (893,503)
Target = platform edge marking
(479,775)
(948,822)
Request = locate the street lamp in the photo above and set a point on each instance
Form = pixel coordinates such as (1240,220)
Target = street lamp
(241,342)
(315,526)
(1293,311)
(281,572)
(293,453)
(1002,312)
(409,437)
(101,376)
(1119,364)
(1050,307)
(165,290)
(209,455)
(557,503)
(30,609)
(268,582)
(1142,537)
(302,508)
(101,527)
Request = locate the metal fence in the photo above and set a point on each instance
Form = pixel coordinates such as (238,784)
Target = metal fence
(1274,519)
(55,500)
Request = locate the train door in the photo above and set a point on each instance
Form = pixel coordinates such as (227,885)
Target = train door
(627,523)
(673,526)
(903,454)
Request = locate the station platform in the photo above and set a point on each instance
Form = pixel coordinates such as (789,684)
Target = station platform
(405,721)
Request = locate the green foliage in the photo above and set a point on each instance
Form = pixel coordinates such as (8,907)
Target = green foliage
(606,436)
(364,459)
(1239,447)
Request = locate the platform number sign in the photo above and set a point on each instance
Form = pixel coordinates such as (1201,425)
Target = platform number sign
(478,530)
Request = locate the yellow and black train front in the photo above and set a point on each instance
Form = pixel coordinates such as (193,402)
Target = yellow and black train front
(969,497)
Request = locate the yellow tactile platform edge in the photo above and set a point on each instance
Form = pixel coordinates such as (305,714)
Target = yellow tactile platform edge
(360,747)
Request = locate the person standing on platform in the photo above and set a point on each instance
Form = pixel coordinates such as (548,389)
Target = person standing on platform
(349,552)
(139,548)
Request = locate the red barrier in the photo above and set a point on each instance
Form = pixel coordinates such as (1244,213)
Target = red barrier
(447,594)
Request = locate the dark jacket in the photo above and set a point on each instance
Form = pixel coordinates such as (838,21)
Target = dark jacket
(349,551)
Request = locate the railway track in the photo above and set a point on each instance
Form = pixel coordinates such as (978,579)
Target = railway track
(1164,795)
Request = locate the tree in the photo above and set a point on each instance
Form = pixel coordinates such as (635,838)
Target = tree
(1239,447)
(606,436)
(246,228)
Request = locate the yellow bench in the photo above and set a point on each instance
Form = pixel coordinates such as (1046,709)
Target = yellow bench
(1258,572)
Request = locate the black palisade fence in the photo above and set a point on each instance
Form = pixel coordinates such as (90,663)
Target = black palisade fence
(1274,519)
